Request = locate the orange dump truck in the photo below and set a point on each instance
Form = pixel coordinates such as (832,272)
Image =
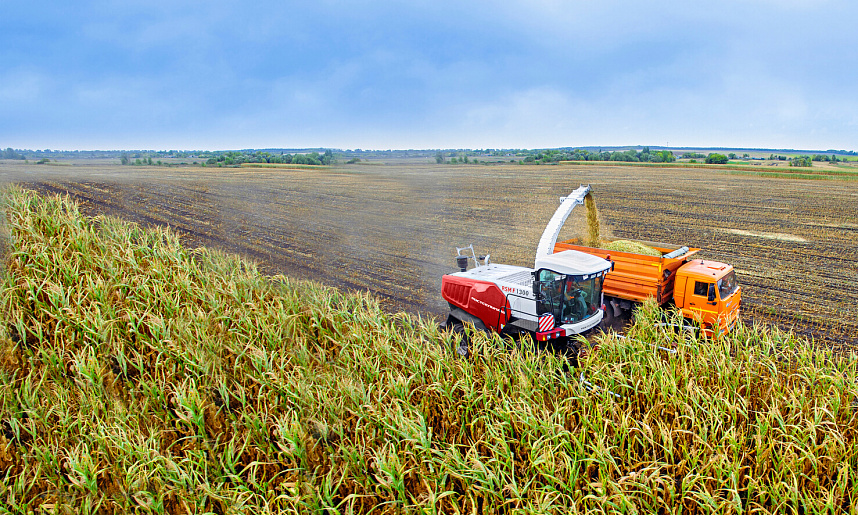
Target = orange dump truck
(700,289)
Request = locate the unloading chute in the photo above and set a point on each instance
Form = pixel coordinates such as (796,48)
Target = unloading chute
(552,230)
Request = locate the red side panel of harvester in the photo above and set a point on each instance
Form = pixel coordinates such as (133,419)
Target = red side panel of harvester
(481,299)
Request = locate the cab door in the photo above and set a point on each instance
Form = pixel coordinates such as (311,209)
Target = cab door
(548,287)
(701,299)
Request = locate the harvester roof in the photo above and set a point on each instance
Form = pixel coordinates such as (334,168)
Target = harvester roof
(573,262)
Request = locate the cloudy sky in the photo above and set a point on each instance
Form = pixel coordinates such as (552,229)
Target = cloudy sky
(428,74)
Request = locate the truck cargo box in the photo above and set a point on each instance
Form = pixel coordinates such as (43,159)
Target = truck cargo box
(638,276)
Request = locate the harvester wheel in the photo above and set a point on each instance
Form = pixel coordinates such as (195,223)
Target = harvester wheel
(459,339)
(608,318)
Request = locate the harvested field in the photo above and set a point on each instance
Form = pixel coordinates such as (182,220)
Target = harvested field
(391,229)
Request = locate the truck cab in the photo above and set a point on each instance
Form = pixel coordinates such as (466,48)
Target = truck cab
(708,291)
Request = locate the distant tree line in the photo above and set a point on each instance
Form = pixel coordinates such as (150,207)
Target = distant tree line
(821,157)
(236,158)
(458,158)
(11,154)
(230,158)
(125,159)
(644,155)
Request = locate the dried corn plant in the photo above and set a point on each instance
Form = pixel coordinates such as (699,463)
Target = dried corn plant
(139,376)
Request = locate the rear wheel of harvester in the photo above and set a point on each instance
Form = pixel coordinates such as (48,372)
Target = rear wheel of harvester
(458,338)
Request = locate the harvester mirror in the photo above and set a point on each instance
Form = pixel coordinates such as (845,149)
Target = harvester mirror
(711,293)
(537,291)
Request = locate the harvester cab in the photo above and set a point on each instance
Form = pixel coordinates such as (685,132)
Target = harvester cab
(569,289)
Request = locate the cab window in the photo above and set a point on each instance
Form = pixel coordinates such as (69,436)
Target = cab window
(701,288)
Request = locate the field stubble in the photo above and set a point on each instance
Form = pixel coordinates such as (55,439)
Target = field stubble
(392,229)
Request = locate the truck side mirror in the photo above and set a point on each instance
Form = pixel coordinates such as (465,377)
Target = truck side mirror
(711,293)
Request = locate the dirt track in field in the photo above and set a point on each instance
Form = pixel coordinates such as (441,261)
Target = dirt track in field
(392,228)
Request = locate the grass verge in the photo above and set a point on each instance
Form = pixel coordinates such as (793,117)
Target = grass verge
(139,376)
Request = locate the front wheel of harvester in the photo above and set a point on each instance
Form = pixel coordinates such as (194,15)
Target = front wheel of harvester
(607,319)
(459,339)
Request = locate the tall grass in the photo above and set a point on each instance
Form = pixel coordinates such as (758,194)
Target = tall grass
(139,376)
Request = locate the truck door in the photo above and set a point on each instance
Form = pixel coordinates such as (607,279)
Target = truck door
(702,300)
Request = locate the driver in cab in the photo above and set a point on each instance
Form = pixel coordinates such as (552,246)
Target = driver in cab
(575,307)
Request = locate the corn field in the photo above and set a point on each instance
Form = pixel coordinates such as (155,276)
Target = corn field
(139,376)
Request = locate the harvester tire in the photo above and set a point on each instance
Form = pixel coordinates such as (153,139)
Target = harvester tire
(607,318)
(459,338)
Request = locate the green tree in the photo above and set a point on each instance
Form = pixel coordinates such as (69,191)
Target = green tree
(11,154)
(124,159)
(716,159)
(439,157)
(327,158)
(801,161)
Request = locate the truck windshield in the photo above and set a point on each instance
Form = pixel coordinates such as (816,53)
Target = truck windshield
(728,284)
(570,299)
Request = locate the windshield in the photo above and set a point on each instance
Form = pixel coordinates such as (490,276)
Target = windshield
(728,284)
(581,299)
(568,298)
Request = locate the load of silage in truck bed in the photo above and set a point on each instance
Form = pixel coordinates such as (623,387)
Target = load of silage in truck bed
(633,247)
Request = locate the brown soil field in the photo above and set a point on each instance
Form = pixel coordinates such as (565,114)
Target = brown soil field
(393,228)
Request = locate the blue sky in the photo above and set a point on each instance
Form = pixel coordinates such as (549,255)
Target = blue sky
(428,74)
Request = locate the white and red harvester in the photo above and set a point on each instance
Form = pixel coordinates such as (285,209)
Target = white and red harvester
(560,297)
